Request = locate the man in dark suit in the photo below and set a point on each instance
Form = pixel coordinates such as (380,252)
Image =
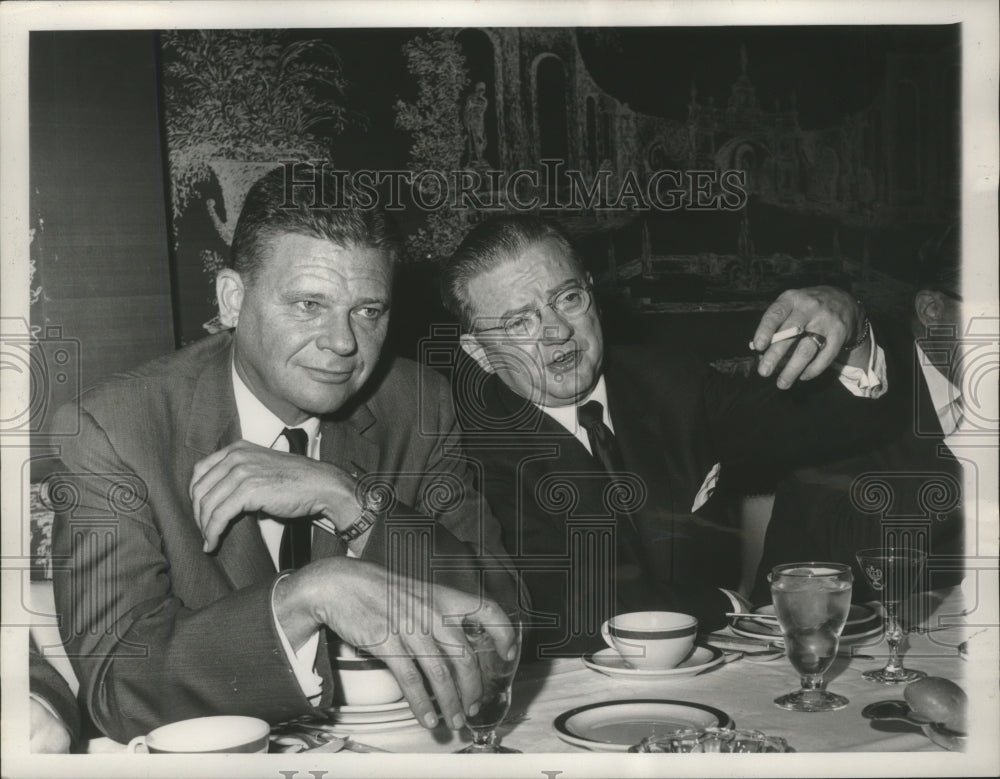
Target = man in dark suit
(189,587)
(601,465)
(908,489)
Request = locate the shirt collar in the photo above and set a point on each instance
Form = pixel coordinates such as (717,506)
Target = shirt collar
(258,424)
(566,415)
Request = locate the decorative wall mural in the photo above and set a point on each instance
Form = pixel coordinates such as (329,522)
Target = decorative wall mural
(713,160)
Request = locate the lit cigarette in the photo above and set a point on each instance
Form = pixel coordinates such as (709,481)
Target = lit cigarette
(782,335)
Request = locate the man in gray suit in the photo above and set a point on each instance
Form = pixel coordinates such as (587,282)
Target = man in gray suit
(235,501)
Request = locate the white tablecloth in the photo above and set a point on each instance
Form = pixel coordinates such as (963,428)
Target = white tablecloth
(743,689)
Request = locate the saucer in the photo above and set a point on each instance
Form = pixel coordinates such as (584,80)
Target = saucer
(376,713)
(614,726)
(348,728)
(860,618)
(610,663)
(862,622)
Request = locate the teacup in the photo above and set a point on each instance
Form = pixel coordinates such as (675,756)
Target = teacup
(362,680)
(651,640)
(205,734)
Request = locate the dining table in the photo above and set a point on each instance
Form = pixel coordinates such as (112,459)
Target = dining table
(741,684)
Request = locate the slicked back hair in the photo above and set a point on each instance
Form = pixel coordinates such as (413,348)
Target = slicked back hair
(324,207)
(490,244)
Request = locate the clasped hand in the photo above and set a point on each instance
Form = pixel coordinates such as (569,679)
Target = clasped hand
(245,477)
(827,312)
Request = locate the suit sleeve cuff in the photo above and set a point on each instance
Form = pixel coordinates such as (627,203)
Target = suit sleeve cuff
(303,662)
(870,382)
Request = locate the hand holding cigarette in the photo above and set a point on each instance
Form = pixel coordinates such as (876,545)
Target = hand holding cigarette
(803,332)
(781,335)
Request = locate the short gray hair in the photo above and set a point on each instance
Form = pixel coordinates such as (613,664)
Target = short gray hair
(490,244)
(279,204)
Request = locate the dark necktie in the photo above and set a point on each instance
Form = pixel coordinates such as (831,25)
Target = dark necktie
(602,440)
(631,558)
(296,543)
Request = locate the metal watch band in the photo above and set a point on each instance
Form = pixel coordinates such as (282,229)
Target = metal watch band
(359,526)
(861,338)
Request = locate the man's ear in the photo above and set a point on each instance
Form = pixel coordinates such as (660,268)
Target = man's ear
(928,306)
(475,350)
(229,289)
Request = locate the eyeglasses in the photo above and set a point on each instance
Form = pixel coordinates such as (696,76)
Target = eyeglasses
(571,302)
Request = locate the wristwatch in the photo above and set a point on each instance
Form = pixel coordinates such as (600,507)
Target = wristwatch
(373,503)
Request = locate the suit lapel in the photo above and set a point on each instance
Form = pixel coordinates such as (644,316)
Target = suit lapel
(637,430)
(214,424)
(347,444)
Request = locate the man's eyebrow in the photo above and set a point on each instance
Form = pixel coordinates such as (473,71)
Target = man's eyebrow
(569,283)
(303,292)
(515,311)
(551,293)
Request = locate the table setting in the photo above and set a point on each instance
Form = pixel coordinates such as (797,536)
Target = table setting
(807,673)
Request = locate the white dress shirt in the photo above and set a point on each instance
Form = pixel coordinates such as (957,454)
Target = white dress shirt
(566,415)
(259,426)
(945,397)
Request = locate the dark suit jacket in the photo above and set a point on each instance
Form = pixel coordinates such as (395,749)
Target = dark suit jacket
(674,419)
(160,631)
(909,485)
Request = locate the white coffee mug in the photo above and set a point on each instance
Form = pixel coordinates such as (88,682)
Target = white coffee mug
(651,640)
(205,735)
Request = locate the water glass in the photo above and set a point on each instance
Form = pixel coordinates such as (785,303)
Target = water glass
(811,601)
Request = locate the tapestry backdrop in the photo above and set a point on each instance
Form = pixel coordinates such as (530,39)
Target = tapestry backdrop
(700,170)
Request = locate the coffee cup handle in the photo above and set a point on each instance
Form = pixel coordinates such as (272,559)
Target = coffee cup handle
(606,634)
(138,744)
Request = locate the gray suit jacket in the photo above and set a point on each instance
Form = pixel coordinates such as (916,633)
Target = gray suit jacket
(160,631)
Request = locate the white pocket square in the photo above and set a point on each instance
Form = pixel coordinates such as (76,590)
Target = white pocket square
(707,488)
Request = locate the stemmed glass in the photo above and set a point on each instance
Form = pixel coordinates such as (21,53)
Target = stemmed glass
(894,574)
(812,601)
(497,674)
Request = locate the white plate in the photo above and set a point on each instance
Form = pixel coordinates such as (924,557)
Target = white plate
(749,630)
(861,618)
(348,729)
(614,726)
(610,663)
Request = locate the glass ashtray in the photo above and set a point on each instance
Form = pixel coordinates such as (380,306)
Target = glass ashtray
(713,740)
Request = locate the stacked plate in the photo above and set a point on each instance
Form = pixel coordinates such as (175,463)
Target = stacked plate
(375,718)
(863,623)
(610,663)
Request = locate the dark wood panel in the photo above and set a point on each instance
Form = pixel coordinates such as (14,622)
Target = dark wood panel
(98,207)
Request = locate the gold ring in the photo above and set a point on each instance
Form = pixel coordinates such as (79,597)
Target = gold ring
(816,338)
